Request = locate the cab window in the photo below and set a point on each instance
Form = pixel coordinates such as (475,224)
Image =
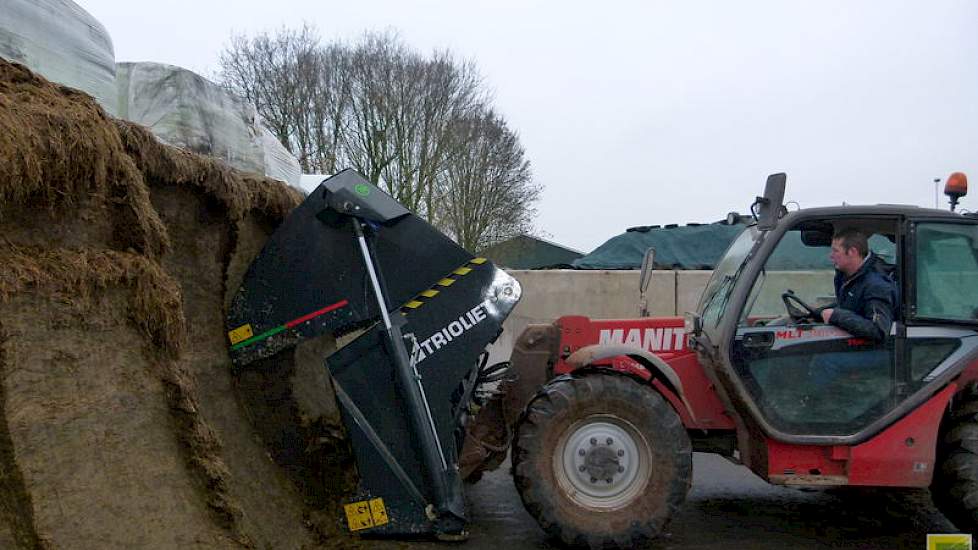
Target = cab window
(805,376)
(716,296)
(800,264)
(946,271)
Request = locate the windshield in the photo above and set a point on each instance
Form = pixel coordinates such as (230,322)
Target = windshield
(717,292)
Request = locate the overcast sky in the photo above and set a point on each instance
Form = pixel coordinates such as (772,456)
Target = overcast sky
(639,113)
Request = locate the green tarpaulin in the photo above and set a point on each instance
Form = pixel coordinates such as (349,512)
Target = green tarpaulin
(701,246)
(680,247)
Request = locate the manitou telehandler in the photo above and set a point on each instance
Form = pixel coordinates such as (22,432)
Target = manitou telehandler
(606,413)
(602,415)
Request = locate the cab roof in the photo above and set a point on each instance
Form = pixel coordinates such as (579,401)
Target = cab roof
(855,210)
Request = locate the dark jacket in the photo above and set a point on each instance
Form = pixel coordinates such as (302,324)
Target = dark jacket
(866,301)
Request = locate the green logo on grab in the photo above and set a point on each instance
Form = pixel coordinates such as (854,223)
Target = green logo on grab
(362,189)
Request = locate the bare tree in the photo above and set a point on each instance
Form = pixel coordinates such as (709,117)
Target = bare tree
(297,87)
(488,191)
(451,92)
(377,80)
(402,107)
(419,127)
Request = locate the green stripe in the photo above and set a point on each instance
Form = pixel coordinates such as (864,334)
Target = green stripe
(261,336)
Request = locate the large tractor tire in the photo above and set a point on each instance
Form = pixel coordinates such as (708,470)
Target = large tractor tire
(955,485)
(601,461)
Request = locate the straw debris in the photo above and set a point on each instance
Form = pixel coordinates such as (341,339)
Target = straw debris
(119,408)
(73,277)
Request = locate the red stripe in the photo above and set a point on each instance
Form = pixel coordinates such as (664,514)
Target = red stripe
(316,313)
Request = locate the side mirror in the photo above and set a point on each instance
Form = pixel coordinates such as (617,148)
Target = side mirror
(648,263)
(644,279)
(767,209)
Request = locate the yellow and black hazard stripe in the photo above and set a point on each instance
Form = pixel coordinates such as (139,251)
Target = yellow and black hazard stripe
(427,295)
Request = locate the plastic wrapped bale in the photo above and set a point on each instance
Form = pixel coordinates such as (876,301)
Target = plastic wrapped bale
(279,162)
(309,182)
(186,110)
(61,41)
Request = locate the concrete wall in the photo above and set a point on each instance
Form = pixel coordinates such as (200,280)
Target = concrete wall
(549,294)
(604,294)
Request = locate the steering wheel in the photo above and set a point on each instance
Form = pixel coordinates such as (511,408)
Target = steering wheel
(799,310)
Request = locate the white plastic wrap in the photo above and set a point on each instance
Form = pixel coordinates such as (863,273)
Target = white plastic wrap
(62,42)
(279,162)
(309,182)
(188,111)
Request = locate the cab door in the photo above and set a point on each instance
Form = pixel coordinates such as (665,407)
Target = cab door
(942,297)
(808,378)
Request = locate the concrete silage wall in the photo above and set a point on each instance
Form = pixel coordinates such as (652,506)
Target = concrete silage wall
(549,294)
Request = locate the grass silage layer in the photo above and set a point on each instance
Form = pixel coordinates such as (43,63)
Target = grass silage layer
(122,421)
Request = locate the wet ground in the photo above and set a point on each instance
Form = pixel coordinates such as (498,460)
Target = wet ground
(728,508)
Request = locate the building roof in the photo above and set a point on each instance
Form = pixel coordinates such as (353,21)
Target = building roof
(526,252)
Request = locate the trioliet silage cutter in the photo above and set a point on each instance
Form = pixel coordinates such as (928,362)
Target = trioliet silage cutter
(350,257)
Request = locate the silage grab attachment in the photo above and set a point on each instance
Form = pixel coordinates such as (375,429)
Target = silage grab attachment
(350,257)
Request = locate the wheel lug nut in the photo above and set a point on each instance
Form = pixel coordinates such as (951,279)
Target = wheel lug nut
(621,452)
(621,469)
(594,480)
(609,441)
(581,468)
(594,441)
(581,452)
(608,480)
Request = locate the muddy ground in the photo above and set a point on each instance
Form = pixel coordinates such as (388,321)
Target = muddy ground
(728,508)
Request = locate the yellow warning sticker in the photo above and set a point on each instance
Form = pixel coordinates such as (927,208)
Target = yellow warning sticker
(378,511)
(358,516)
(478,261)
(413,304)
(240,334)
(429,293)
(462,271)
(366,514)
(446,282)
(949,542)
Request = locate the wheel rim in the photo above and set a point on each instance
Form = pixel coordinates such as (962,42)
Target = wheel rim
(603,462)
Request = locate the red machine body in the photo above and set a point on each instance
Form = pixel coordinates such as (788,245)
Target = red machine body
(902,455)
(802,367)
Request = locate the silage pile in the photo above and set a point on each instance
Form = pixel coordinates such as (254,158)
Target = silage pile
(122,423)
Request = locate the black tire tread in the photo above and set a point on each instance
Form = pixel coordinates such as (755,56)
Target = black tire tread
(955,486)
(557,402)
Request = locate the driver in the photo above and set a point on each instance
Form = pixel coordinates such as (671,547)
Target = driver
(866,296)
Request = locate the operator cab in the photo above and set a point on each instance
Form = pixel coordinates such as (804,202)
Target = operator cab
(807,381)
(800,370)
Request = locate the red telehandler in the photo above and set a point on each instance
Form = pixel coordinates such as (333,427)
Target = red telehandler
(605,414)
